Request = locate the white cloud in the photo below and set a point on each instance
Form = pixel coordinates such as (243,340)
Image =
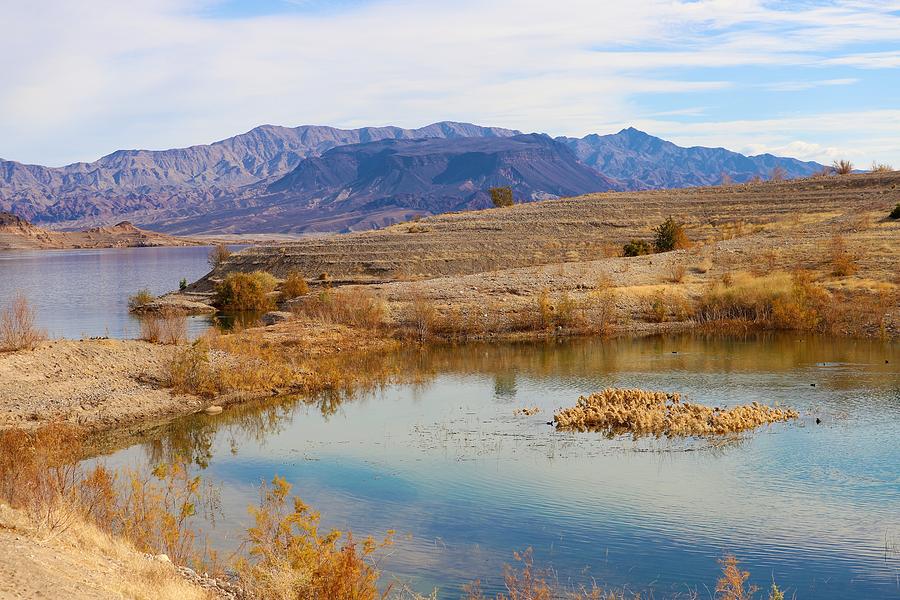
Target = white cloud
(93,76)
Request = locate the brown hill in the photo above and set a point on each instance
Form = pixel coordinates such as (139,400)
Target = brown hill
(18,234)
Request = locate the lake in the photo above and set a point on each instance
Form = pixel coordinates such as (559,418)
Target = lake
(466,482)
(84,293)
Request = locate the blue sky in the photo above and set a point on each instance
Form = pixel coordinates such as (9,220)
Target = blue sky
(815,80)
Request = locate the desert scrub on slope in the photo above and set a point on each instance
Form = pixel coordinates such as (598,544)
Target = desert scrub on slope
(17,326)
(895,214)
(843,262)
(637,248)
(40,474)
(842,167)
(640,412)
(245,292)
(670,235)
(502,197)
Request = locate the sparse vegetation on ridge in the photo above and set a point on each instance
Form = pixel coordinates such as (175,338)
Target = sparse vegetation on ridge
(218,255)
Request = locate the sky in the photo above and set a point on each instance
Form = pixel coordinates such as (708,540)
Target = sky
(812,79)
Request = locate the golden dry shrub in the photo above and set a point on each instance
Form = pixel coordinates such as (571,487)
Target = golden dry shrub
(639,412)
(289,557)
(843,262)
(293,286)
(17,326)
(245,291)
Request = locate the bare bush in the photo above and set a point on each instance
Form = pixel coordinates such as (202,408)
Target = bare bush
(168,326)
(218,255)
(842,167)
(17,326)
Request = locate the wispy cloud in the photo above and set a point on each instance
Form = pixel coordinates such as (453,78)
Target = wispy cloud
(92,76)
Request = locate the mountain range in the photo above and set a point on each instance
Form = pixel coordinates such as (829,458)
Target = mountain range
(317,178)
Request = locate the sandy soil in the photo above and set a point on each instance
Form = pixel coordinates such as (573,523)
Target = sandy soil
(81,563)
(95,383)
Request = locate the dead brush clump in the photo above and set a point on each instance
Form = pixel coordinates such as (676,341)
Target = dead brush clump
(168,326)
(354,307)
(662,414)
(17,326)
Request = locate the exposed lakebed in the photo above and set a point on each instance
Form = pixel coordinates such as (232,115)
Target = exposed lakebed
(465,481)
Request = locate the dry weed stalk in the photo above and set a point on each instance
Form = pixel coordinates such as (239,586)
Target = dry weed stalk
(640,412)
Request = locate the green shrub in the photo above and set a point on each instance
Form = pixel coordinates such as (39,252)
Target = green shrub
(182,285)
(637,248)
(502,196)
(895,214)
(670,236)
(245,291)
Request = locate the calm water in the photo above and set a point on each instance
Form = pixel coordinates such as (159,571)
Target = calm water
(84,293)
(465,482)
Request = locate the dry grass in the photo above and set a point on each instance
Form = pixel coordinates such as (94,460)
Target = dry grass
(842,167)
(168,326)
(17,326)
(354,307)
(640,412)
(775,301)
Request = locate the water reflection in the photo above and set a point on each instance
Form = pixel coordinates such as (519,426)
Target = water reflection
(444,458)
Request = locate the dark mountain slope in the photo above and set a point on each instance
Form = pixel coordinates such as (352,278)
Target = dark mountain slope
(366,185)
(643,161)
(134,180)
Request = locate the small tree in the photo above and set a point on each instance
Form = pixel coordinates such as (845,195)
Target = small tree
(502,197)
(218,255)
(842,167)
(670,236)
